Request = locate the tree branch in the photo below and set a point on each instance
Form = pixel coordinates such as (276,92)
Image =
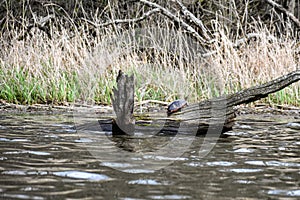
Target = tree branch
(261,91)
(285,11)
(120,21)
(194,19)
(176,19)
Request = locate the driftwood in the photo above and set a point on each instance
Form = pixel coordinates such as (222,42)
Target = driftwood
(215,114)
(123,105)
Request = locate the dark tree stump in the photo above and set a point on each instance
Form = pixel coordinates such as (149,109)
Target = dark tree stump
(123,105)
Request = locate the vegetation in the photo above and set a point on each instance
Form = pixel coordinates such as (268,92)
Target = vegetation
(63,54)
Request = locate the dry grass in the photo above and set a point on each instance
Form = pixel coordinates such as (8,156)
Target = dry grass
(260,60)
(73,66)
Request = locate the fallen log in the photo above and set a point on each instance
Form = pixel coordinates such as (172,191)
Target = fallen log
(216,114)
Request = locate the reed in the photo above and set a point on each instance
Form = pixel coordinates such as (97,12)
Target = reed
(72,66)
(262,59)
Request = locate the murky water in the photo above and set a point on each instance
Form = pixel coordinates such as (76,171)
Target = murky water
(45,157)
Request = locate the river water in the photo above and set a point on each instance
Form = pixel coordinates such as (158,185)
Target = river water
(48,156)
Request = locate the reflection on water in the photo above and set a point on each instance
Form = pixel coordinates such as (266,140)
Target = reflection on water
(43,157)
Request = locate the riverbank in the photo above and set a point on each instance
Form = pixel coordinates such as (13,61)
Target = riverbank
(258,109)
(50,108)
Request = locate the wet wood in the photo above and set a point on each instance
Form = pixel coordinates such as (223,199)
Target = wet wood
(216,114)
(123,105)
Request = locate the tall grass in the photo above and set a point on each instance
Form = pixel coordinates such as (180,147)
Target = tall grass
(262,59)
(72,66)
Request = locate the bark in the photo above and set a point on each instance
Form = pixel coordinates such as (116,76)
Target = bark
(123,104)
(217,113)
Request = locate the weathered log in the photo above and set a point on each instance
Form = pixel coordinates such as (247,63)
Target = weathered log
(221,109)
(123,105)
(217,113)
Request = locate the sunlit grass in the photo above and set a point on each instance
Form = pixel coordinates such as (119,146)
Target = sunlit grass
(74,67)
(287,96)
(21,87)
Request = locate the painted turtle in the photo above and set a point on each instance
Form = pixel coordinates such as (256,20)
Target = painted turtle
(176,106)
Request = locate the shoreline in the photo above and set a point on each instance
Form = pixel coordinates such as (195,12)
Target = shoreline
(49,108)
(76,107)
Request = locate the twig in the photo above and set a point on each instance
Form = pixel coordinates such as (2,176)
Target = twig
(285,11)
(120,21)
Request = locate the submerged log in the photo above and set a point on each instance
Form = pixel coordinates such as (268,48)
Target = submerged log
(216,114)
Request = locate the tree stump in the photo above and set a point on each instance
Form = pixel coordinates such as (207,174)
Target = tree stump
(123,105)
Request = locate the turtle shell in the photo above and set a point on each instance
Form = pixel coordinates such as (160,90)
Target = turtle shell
(176,106)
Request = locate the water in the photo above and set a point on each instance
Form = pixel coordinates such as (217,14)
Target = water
(45,157)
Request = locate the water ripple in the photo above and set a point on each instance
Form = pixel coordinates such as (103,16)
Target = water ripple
(146,182)
(221,163)
(174,196)
(40,153)
(82,175)
(272,163)
(291,193)
(22,196)
(243,170)
(42,157)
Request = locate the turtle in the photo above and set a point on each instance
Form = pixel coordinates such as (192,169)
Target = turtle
(176,106)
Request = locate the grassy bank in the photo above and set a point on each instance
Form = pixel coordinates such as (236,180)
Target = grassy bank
(73,66)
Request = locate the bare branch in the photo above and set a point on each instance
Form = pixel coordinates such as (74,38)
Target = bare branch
(120,21)
(176,19)
(285,11)
(194,19)
(261,91)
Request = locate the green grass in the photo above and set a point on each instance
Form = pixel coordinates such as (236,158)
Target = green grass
(21,87)
(287,96)
(18,89)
